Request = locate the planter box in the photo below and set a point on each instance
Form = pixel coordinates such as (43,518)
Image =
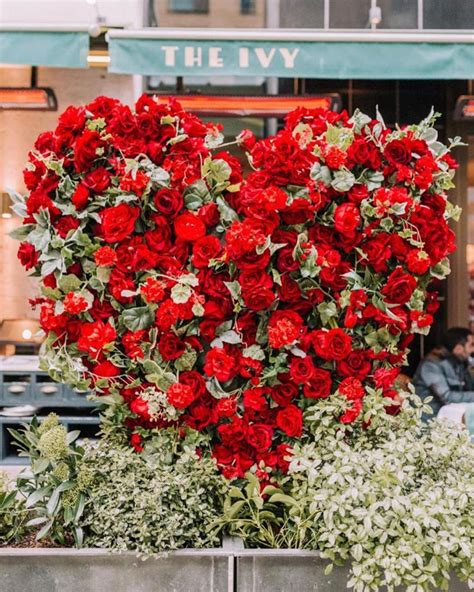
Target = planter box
(230,569)
(97,570)
(287,570)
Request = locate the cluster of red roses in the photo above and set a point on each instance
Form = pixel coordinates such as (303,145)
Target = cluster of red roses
(226,305)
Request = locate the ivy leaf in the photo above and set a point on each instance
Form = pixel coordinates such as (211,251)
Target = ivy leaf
(343,181)
(138,318)
(69,283)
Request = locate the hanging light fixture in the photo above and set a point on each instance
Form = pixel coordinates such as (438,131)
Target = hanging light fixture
(5,206)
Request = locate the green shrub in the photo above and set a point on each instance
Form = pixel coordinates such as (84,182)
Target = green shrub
(13,514)
(164,498)
(397,502)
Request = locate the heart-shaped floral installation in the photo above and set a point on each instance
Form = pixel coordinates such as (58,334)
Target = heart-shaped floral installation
(183,294)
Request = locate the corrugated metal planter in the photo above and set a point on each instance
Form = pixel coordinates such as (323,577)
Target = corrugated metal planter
(230,569)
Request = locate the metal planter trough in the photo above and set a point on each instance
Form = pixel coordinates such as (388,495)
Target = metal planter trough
(290,570)
(228,569)
(97,570)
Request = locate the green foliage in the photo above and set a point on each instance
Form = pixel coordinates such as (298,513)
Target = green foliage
(51,485)
(164,498)
(397,502)
(13,514)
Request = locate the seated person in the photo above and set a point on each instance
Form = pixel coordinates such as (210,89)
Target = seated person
(444,373)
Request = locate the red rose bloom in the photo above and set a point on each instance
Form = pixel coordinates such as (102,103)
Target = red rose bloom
(319,387)
(80,197)
(168,202)
(65,224)
(85,150)
(356,364)
(290,421)
(97,180)
(189,227)
(259,436)
(140,407)
(397,152)
(205,249)
(118,222)
(302,370)
(171,347)
(334,344)
(153,290)
(346,218)
(28,255)
(418,261)
(399,287)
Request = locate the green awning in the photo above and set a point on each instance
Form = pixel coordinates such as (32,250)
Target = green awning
(293,53)
(37,46)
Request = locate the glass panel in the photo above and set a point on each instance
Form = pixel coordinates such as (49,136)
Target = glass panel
(247,6)
(398,14)
(301,14)
(470,228)
(188,5)
(448,14)
(349,15)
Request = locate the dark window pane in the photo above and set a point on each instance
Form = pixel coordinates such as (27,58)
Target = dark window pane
(188,5)
(301,14)
(398,14)
(247,6)
(349,15)
(448,14)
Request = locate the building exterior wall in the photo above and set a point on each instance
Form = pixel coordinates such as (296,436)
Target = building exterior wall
(220,14)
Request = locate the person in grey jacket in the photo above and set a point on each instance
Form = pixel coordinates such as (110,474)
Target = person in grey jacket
(444,374)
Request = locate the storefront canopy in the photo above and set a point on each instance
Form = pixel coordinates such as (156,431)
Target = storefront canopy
(44,46)
(293,53)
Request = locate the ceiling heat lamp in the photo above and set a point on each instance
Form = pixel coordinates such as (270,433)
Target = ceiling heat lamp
(33,98)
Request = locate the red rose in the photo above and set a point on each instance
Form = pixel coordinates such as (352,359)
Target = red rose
(189,227)
(397,152)
(205,249)
(85,150)
(226,407)
(418,261)
(65,224)
(283,394)
(346,218)
(399,287)
(80,197)
(302,370)
(168,202)
(352,413)
(319,387)
(106,370)
(136,442)
(180,395)
(97,180)
(153,290)
(118,222)
(377,251)
(273,198)
(255,400)
(290,421)
(259,436)
(140,407)
(28,255)
(171,347)
(258,299)
(195,381)
(357,364)
(334,344)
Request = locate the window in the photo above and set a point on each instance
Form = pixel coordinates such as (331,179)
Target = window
(444,14)
(247,6)
(189,6)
